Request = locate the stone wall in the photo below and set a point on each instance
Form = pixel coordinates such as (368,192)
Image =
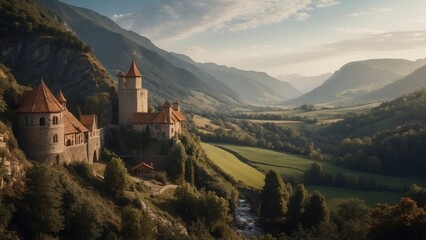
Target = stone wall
(94,146)
(76,153)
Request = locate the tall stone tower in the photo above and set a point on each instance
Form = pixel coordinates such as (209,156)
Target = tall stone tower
(132,98)
(41,127)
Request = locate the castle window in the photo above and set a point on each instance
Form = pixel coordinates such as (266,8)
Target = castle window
(55,120)
(55,138)
(26,121)
(68,143)
(42,121)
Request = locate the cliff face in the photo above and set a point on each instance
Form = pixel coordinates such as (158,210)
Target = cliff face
(34,45)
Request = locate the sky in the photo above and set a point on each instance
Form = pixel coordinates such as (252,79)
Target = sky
(307,37)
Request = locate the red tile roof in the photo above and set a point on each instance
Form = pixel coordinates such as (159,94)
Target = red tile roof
(133,71)
(72,125)
(157,118)
(89,121)
(41,100)
(60,97)
(142,164)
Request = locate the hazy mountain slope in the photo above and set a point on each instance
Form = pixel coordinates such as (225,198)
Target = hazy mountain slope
(115,47)
(304,83)
(34,46)
(254,87)
(356,79)
(406,85)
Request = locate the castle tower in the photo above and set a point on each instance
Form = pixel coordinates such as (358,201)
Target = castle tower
(132,98)
(40,124)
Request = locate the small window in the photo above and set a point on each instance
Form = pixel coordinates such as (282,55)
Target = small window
(55,120)
(68,142)
(55,138)
(42,121)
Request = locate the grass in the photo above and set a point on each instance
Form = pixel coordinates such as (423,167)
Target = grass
(334,196)
(234,167)
(289,165)
(293,166)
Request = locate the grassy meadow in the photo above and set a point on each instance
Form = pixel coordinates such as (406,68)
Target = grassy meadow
(293,166)
(234,167)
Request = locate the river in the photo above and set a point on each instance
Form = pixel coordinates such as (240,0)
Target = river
(245,221)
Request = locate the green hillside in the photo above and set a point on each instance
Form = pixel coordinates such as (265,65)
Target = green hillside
(35,45)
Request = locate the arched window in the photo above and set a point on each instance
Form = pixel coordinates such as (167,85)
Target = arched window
(42,121)
(55,138)
(68,143)
(55,120)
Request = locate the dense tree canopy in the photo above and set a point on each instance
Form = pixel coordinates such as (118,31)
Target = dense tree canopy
(116,177)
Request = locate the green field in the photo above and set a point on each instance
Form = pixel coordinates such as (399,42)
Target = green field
(334,196)
(293,166)
(234,167)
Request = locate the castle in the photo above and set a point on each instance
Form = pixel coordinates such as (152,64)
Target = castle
(48,132)
(133,108)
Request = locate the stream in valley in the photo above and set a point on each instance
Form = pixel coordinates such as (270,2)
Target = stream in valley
(245,221)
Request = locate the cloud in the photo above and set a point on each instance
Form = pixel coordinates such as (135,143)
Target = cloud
(363,31)
(175,19)
(371,43)
(371,11)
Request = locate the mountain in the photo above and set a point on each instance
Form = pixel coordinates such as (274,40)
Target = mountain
(356,79)
(166,76)
(33,45)
(406,85)
(304,83)
(257,88)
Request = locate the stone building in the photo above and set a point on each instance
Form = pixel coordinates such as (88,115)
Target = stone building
(133,108)
(48,132)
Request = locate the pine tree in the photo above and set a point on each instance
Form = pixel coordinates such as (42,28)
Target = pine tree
(273,205)
(176,162)
(44,199)
(316,211)
(296,206)
(115,177)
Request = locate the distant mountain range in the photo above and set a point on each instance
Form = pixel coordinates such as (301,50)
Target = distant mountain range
(304,83)
(168,75)
(257,88)
(355,80)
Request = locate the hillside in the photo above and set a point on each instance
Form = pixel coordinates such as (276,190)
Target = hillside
(356,79)
(257,88)
(34,46)
(388,138)
(406,85)
(166,76)
(304,84)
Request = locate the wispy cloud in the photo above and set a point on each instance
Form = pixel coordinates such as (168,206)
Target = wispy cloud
(174,19)
(371,11)
(380,42)
(363,31)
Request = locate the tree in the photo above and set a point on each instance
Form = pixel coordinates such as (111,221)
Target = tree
(313,174)
(402,221)
(296,206)
(352,218)
(6,211)
(176,162)
(115,177)
(44,200)
(316,211)
(136,224)
(87,222)
(273,205)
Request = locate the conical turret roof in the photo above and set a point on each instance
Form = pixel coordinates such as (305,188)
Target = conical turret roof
(133,71)
(41,100)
